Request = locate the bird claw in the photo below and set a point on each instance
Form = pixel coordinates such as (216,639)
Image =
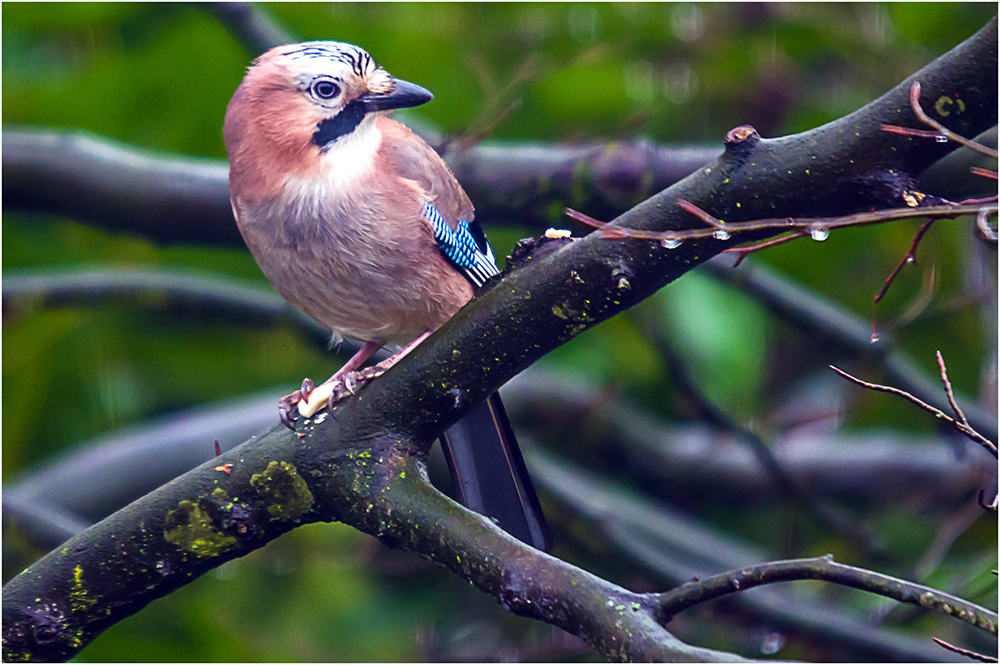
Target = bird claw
(285,405)
(311,398)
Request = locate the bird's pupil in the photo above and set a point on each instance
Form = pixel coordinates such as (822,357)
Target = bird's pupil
(325,89)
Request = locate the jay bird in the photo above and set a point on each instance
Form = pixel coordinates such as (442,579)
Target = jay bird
(360,224)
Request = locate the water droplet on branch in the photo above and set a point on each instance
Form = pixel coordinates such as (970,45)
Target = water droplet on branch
(670,241)
(819,232)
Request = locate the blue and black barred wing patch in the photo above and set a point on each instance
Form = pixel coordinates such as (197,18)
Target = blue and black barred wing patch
(465,247)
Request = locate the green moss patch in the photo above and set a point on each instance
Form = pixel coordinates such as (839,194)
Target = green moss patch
(287,494)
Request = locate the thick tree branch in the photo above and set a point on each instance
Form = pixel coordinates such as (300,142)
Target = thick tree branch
(363,464)
(118,187)
(207,516)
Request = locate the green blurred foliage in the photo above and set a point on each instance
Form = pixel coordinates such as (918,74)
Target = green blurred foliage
(160,75)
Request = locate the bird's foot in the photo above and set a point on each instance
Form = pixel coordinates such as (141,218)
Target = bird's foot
(286,404)
(312,398)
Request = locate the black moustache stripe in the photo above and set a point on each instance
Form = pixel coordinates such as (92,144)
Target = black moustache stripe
(343,123)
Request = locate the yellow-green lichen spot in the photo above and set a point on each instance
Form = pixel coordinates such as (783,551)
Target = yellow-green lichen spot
(79,598)
(287,494)
(191,529)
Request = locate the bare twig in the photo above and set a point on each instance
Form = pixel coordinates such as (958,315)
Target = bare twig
(821,568)
(909,257)
(940,132)
(909,131)
(950,135)
(743,252)
(961,427)
(817,227)
(974,655)
(986,173)
(949,392)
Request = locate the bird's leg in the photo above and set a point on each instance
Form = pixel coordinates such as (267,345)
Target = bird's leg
(342,382)
(383,366)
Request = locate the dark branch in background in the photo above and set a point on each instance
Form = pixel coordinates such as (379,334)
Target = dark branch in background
(363,464)
(664,541)
(829,321)
(822,568)
(190,293)
(250,24)
(865,468)
(87,483)
(183,199)
(716,416)
(76,174)
(46,525)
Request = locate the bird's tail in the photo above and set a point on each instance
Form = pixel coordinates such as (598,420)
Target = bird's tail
(489,473)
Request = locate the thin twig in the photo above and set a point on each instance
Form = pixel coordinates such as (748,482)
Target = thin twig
(974,655)
(743,252)
(909,131)
(931,122)
(961,427)
(949,392)
(986,173)
(821,568)
(909,257)
(818,227)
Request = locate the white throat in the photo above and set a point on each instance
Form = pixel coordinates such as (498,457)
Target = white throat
(343,164)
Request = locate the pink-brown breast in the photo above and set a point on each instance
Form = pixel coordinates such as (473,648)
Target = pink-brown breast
(351,252)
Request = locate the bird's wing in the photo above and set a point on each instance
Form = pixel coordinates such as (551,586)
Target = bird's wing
(447,208)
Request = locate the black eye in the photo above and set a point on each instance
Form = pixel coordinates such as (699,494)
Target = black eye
(325,89)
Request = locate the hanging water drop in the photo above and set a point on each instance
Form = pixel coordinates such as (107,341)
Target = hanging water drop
(910,260)
(670,241)
(721,235)
(941,139)
(819,232)
(874,338)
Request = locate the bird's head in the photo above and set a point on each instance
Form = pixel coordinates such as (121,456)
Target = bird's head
(315,93)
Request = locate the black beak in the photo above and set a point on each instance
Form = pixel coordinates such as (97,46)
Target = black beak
(406,95)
